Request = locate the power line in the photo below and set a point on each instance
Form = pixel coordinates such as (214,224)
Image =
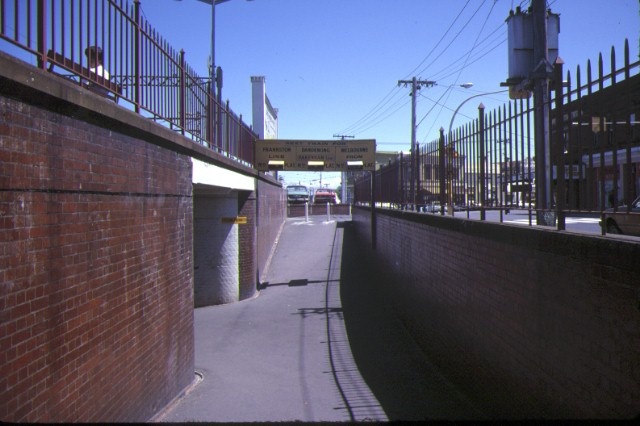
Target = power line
(367,118)
(390,104)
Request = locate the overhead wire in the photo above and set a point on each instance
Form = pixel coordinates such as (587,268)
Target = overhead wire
(351,128)
(390,104)
(466,60)
(463,28)
(372,115)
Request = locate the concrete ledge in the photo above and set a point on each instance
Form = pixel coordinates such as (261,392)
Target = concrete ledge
(23,81)
(590,248)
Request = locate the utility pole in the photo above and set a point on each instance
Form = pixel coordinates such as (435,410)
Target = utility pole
(541,75)
(415,86)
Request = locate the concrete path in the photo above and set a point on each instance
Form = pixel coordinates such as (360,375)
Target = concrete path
(318,344)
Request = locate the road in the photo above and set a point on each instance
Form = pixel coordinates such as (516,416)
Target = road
(587,224)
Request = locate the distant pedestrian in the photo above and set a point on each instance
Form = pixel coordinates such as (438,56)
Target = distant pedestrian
(95,58)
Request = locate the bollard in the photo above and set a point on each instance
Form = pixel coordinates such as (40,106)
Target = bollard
(328,212)
(306,211)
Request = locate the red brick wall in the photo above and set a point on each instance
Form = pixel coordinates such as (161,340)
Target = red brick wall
(247,244)
(529,323)
(96,299)
(271,213)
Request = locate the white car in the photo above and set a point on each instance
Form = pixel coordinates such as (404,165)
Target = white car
(621,222)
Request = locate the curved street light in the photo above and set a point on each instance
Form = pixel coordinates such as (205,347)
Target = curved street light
(468,99)
(450,145)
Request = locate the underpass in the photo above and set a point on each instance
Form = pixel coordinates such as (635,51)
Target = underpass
(320,343)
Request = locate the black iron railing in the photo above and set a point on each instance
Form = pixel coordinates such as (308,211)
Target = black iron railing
(143,71)
(489,163)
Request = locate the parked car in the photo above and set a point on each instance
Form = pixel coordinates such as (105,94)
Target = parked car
(433,207)
(621,222)
(297,194)
(324,195)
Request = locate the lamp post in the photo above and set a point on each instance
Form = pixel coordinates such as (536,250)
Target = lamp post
(214,75)
(451,146)
(468,99)
(216,79)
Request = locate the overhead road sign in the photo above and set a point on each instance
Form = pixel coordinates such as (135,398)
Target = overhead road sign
(315,155)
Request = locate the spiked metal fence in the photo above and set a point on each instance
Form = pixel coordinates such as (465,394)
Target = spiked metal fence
(152,78)
(490,163)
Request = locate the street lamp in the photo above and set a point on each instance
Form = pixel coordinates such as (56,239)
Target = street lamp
(468,99)
(216,79)
(212,71)
(452,147)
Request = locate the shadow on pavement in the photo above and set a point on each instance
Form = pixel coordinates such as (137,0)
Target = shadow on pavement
(407,386)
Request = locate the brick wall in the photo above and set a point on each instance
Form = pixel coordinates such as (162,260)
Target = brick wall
(96,302)
(529,323)
(271,213)
(247,235)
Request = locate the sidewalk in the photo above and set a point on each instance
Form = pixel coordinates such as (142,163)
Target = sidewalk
(285,355)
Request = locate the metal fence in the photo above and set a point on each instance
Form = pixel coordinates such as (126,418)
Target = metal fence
(490,163)
(152,78)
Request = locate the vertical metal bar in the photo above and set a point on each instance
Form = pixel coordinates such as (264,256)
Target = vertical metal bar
(529,161)
(374,225)
(593,180)
(2,25)
(42,31)
(494,157)
(16,21)
(602,132)
(613,134)
(63,33)
(136,56)
(81,57)
(510,159)
(29,28)
(481,160)
(559,147)
(182,93)
(571,151)
(502,158)
(442,171)
(629,190)
(418,171)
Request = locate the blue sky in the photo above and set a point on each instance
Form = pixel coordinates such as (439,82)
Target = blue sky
(332,66)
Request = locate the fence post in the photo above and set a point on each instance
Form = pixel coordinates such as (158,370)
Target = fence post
(442,172)
(136,56)
(374,225)
(559,148)
(482,161)
(182,94)
(42,35)
(209,135)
